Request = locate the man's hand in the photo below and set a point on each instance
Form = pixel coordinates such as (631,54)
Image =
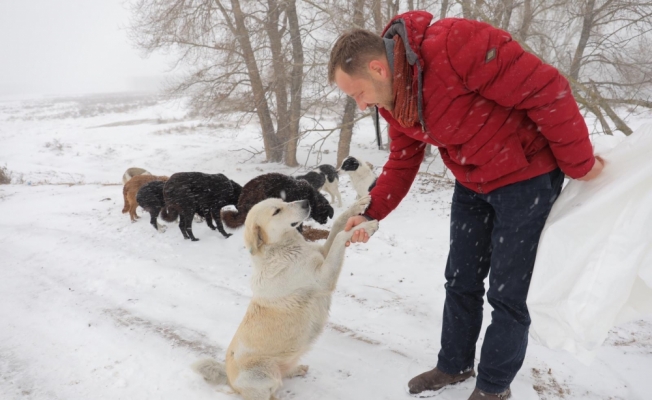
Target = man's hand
(360,235)
(595,171)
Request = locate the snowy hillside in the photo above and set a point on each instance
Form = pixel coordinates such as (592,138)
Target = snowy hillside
(93,306)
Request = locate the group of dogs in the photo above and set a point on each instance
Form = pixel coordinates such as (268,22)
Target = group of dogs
(293,279)
(185,195)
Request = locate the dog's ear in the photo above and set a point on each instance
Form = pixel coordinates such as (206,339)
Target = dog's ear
(370,165)
(313,199)
(254,238)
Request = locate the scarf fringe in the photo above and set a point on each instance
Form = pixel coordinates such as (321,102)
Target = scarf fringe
(405,102)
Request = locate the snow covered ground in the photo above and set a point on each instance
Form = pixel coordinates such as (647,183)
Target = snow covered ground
(93,306)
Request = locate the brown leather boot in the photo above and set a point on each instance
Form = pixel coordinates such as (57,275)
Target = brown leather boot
(435,380)
(480,395)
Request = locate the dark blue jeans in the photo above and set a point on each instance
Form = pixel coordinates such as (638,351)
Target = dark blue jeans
(495,234)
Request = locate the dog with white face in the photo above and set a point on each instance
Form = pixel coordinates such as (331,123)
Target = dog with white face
(292,285)
(362,175)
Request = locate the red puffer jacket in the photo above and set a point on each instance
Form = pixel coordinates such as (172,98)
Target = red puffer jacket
(497,114)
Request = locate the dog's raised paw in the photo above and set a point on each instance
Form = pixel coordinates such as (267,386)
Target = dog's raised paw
(370,227)
(360,205)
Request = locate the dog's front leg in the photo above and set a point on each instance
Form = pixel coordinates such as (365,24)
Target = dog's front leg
(332,265)
(338,226)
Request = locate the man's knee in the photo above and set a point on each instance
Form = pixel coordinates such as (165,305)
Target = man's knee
(508,308)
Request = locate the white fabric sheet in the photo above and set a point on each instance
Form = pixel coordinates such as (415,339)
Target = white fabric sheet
(594,263)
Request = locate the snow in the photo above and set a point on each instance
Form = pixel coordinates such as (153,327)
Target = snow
(96,307)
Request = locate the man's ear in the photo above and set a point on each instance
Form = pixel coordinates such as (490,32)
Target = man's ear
(379,68)
(254,238)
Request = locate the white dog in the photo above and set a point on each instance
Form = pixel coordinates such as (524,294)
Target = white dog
(131,172)
(292,285)
(362,175)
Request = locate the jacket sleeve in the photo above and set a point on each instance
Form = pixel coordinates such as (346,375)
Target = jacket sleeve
(405,157)
(489,62)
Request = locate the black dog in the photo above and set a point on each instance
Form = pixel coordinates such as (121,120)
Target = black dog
(190,193)
(326,178)
(315,179)
(150,198)
(329,171)
(280,186)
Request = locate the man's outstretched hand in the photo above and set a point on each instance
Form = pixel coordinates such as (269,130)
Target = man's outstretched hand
(360,235)
(595,171)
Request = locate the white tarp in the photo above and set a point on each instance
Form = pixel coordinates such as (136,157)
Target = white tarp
(594,263)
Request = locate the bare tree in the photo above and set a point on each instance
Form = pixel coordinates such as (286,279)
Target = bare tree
(238,59)
(267,58)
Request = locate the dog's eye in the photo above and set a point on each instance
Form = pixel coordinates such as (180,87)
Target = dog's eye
(278,210)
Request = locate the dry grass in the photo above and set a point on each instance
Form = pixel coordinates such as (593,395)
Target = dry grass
(546,385)
(5,176)
(311,234)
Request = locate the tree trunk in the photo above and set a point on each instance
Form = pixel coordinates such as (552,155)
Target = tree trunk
(346,132)
(467,9)
(587,25)
(620,124)
(528,16)
(296,83)
(377,10)
(279,84)
(507,13)
(444,9)
(272,150)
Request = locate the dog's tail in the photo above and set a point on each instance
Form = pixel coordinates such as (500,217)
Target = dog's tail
(213,372)
(169,214)
(233,218)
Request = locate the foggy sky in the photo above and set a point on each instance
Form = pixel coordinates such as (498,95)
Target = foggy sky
(71,46)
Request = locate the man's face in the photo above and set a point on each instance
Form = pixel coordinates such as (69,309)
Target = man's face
(368,90)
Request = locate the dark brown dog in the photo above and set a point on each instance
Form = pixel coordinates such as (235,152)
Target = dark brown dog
(130,190)
(279,186)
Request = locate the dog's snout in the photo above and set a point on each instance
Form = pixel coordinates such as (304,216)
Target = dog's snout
(304,204)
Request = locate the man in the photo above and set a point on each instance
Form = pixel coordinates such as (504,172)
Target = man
(506,125)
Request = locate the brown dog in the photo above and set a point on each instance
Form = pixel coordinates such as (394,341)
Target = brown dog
(130,190)
(281,187)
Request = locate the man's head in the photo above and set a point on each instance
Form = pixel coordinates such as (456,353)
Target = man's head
(359,67)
